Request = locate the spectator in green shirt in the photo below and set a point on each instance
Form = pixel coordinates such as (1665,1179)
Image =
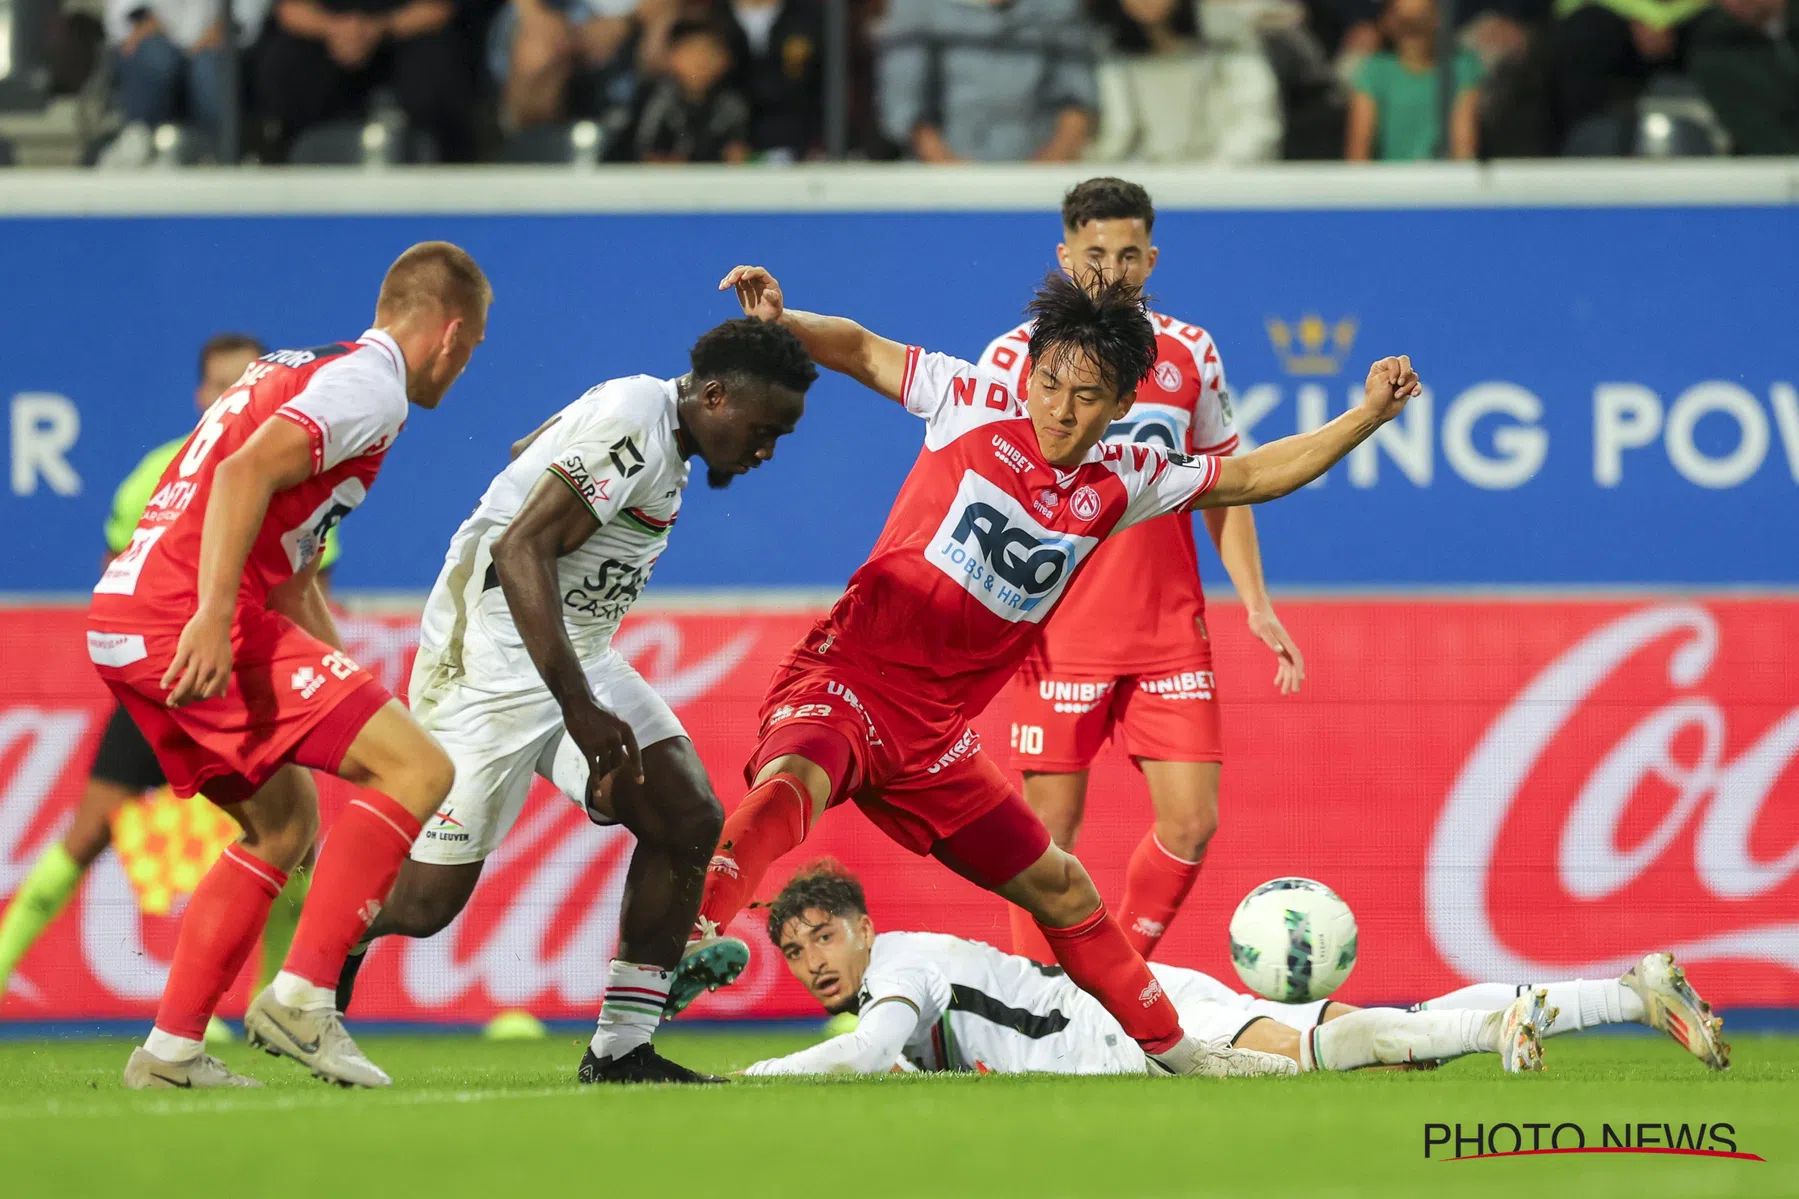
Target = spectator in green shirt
(1393,112)
(124,765)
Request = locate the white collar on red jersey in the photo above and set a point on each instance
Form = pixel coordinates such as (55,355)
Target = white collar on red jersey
(391,349)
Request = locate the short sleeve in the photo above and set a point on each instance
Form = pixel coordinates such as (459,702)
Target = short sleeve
(602,452)
(350,408)
(1467,71)
(921,986)
(1158,482)
(954,396)
(1368,76)
(1214,423)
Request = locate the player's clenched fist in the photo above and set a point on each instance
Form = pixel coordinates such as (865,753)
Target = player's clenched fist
(757,291)
(1391,382)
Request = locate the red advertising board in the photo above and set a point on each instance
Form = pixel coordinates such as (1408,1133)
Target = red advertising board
(1503,791)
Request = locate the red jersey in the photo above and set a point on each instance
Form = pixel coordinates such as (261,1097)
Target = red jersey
(986,537)
(350,397)
(1137,606)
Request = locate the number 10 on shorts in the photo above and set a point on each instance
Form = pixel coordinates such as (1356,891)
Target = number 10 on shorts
(1027,738)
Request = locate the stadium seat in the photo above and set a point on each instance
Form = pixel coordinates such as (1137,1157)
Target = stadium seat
(1675,135)
(578,143)
(6,153)
(349,143)
(1606,135)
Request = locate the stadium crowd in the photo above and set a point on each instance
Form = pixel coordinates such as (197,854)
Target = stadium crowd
(965,80)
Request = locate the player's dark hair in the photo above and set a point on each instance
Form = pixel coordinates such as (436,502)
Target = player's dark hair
(1104,321)
(1107,199)
(825,885)
(750,348)
(225,343)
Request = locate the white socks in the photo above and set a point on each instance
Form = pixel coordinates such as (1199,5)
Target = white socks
(1583,1003)
(298,992)
(171,1048)
(1390,1037)
(635,998)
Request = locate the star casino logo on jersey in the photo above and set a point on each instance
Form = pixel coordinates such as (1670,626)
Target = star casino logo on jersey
(999,554)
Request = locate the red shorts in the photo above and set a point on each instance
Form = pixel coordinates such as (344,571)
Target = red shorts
(1060,720)
(291,698)
(919,773)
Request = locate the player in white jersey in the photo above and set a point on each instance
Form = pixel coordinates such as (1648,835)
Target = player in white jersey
(927,1001)
(517,678)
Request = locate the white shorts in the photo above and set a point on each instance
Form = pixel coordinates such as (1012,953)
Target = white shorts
(1211,1011)
(500,741)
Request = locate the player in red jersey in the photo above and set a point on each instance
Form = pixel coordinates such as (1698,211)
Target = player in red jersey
(211,631)
(1000,511)
(1128,655)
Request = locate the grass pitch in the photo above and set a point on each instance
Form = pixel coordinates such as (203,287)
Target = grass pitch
(506,1121)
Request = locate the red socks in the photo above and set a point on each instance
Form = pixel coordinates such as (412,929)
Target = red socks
(772,819)
(1156,883)
(1102,963)
(356,870)
(1028,940)
(219,929)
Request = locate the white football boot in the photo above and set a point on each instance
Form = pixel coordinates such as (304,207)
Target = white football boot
(147,1072)
(1521,1028)
(314,1037)
(1671,1004)
(1192,1056)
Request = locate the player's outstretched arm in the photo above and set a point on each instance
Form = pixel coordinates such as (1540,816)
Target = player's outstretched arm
(874,1048)
(1287,465)
(835,343)
(554,521)
(277,456)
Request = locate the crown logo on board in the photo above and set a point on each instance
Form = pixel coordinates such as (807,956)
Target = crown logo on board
(1311,345)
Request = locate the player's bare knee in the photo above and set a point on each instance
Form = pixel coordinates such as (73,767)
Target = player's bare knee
(1186,835)
(1270,1036)
(1055,889)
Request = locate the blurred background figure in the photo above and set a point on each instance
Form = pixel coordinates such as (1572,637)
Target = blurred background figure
(167,66)
(1605,51)
(1393,112)
(1745,59)
(987,80)
(777,46)
(569,58)
(322,60)
(690,112)
(1169,94)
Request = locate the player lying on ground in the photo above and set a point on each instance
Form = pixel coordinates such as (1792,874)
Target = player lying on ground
(1126,656)
(1004,504)
(517,678)
(124,766)
(935,1002)
(211,630)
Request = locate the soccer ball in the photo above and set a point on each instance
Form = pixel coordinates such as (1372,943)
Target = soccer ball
(1293,940)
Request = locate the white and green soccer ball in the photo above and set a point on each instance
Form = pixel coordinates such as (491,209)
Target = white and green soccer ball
(1293,940)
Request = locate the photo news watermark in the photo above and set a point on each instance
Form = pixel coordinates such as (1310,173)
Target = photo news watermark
(1469,1142)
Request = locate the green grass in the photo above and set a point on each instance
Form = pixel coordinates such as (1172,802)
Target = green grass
(505,1121)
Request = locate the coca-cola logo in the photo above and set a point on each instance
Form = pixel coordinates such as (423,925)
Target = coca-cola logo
(1679,750)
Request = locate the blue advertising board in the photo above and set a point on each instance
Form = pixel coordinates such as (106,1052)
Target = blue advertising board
(1612,391)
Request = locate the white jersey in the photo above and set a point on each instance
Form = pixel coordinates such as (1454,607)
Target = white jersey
(618,449)
(979,1008)
(935,1002)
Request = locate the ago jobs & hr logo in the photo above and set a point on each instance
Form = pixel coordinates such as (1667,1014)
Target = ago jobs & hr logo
(1628,420)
